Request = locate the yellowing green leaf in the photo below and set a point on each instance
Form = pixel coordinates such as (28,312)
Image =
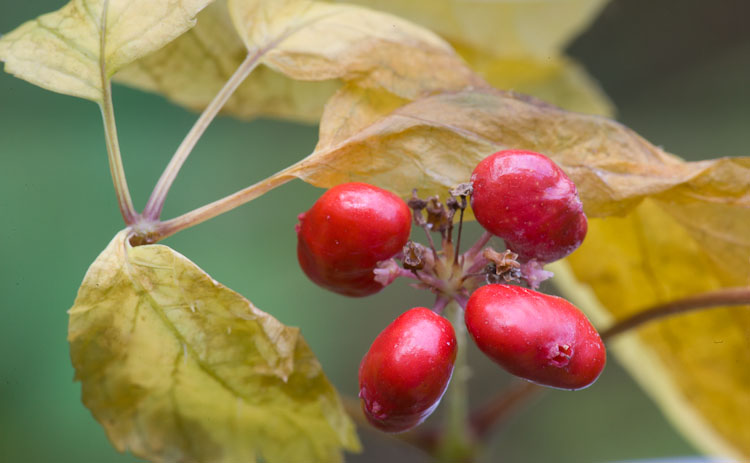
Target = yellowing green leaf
(76,49)
(177,367)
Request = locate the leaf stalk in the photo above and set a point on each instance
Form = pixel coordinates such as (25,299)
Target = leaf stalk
(155,203)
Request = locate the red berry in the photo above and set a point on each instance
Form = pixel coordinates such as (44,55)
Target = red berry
(528,201)
(407,369)
(542,338)
(347,232)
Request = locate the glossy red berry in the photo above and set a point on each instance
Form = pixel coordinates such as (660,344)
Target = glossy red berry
(528,201)
(347,232)
(542,338)
(407,369)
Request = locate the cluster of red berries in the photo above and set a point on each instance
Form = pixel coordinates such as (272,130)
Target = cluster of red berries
(351,239)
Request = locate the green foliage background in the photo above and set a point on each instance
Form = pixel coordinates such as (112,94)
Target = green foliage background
(677,71)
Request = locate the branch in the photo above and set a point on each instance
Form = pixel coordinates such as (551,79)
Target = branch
(709,300)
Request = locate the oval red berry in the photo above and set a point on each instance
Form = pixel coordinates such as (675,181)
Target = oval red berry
(407,369)
(348,230)
(528,201)
(539,337)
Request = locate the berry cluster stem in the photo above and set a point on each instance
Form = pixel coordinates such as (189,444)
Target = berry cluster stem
(158,196)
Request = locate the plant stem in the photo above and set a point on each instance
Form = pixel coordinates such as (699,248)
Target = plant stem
(116,168)
(158,196)
(457,443)
(220,206)
(712,299)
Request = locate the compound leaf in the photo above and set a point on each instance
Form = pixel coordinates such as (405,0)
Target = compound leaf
(177,367)
(77,48)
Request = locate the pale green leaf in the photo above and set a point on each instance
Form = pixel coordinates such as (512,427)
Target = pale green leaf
(75,49)
(177,367)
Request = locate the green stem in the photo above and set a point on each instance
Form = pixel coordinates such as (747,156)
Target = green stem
(457,443)
(158,196)
(116,168)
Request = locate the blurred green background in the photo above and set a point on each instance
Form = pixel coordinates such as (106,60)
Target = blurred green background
(677,70)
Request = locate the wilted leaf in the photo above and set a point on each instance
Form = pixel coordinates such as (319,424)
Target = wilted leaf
(315,43)
(75,49)
(515,45)
(309,40)
(507,28)
(557,80)
(661,229)
(177,367)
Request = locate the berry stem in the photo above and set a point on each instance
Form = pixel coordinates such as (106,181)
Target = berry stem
(440,304)
(457,445)
(458,238)
(158,196)
(709,300)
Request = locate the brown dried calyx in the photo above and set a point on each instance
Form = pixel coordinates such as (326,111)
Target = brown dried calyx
(413,256)
(503,266)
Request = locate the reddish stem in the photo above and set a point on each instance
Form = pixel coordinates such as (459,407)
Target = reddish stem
(721,298)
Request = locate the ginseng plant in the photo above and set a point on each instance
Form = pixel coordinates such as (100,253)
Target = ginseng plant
(178,368)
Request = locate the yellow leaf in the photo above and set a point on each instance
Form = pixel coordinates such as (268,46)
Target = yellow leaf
(76,49)
(177,367)
(508,28)
(673,245)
